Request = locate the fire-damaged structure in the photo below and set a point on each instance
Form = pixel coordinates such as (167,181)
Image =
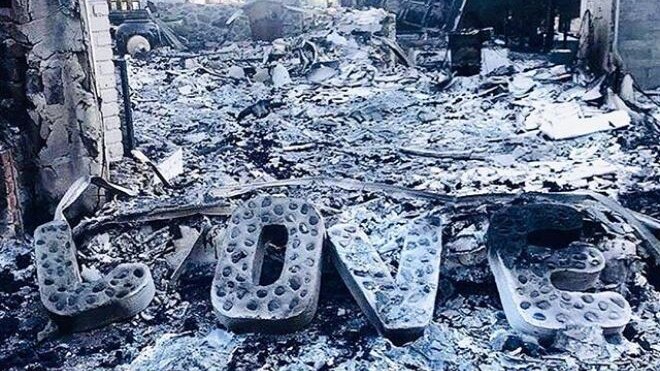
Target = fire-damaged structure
(302,184)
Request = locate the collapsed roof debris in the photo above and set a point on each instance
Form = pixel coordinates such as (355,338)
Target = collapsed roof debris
(441,194)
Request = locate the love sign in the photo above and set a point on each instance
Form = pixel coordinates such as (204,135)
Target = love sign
(536,253)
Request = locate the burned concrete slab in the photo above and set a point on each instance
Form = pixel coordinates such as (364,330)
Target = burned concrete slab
(542,270)
(400,307)
(76,305)
(240,297)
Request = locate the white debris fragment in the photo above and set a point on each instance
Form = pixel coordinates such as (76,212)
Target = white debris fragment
(565,127)
(337,39)
(280,76)
(90,274)
(545,113)
(261,75)
(321,74)
(494,60)
(521,85)
(370,20)
(236,72)
(171,166)
(587,170)
(176,352)
(627,91)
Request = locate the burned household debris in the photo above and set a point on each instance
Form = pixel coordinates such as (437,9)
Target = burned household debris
(304,184)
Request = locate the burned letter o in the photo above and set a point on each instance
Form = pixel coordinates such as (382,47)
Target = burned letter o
(289,303)
(75,305)
(401,307)
(541,270)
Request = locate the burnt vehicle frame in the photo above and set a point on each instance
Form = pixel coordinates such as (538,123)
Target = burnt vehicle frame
(131,22)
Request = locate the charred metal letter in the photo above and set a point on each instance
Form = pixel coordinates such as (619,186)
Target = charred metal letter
(400,308)
(540,268)
(77,305)
(287,304)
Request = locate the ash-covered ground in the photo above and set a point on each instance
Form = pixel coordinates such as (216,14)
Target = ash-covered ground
(336,103)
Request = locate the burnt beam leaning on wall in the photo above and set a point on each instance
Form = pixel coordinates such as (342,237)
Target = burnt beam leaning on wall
(127,119)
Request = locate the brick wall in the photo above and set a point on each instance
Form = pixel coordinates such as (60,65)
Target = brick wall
(106,84)
(638,40)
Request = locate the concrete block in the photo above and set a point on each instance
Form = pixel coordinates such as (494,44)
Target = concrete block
(650,79)
(542,270)
(113,136)
(106,67)
(115,151)
(106,82)
(100,24)
(109,94)
(634,49)
(100,9)
(287,304)
(102,53)
(75,305)
(102,38)
(638,30)
(112,122)
(109,109)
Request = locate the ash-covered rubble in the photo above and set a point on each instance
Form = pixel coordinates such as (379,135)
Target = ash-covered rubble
(336,102)
(363,130)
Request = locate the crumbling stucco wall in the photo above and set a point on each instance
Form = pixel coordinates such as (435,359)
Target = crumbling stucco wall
(638,40)
(597,36)
(63,128)
(623,33)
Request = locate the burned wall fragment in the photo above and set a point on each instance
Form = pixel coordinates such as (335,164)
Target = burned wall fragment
(542,271)
(399,307)
(77,305)
(240,300)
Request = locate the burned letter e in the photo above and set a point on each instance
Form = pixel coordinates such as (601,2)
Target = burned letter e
(399,307)
(542,270)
